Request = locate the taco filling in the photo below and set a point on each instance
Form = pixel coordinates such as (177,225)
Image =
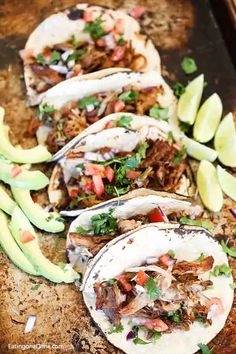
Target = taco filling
(158,297)
(101,45)
(90,175)
(65,123)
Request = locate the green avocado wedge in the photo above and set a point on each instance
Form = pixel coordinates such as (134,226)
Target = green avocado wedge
(19,225)
(50,222)
(34,155)
(12,249)
(24,179)
(6,203)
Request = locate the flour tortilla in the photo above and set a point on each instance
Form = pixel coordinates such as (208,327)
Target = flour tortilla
(59,28)
(132,249)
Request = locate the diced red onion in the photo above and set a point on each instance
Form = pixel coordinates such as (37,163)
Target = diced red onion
(69,74)
(59,68)
(30,324)
(89,107)
(233,212)
(66,54)
(131,335)
(70,64)
(110,41)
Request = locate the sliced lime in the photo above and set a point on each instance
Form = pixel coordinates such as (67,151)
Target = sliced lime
(209,187)
(199,151)
(225,141)
(227,182)
(208,119)
(190,100)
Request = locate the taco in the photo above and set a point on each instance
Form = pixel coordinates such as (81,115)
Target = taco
(95,227)
(153,290)
(81,40)
(70,107)
(118,154)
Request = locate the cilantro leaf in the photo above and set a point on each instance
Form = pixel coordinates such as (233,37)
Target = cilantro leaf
(117,329)
(188,65)
(103,223)
(203,223)
(142,150)
(231,251)
(46,109)
(233,285)
(84,102)
(40,59)
(204,348)
(184,127)
(155,335)
(159,113)
(116,191)
(201,257)
(129,96)
(171,253)
(95,28)
(55,57)
(178,89)
(112,281)
(153,290)
(124,121)
(222,269)
(178,156)
(120,41)
(80,230)
(73,41)
(175,316)
(131,163)
(170,137)
(138,340)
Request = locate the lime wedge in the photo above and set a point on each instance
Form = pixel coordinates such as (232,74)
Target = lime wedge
(225,141)
(190,100)
(227,182)
(199,151)
(208,119)
(208,186)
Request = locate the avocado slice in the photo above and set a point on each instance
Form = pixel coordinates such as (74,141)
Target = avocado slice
(34,180)
(50,222)
(31,249)
(34,155)
(11,248)
(6,203)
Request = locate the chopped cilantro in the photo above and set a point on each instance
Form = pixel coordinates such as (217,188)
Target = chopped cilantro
(55,57)
(76,54)
(184,127)
(188,65)
(142,150)
(40,59)
(73,41)
(156,335)
(120,41)
(153,290)
(203,223)
(171,253)
(204,348)
(35,287)
(233,285)
(80,165)
(129,96)
(231,251)
(178,89)
(113,190)
(222,269)
(124,121)
(46,109)
(84,102)
(175,316)
(80,230)
(201,257)
(179,155)
(117,329)
(170,137)
(112,281)
(101,224)
(95,28)
(131,163)
(198,318)
(138,340)
(159,113)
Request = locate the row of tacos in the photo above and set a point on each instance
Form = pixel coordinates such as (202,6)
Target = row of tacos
(121,169)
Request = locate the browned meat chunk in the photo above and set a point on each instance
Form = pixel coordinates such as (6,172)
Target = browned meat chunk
(196,267)
(51,77)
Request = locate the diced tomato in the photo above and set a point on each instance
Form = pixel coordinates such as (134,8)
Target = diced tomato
(35,198)
(216,307)
(166,259)
(109,125)
(141,278)
(119,106)
(109,173)
(26,54)
(47,53)
(126,285)
(33,126)
(15,171)
(74,192)
(118,53)
(156,324)
(93,119)
(156,216)
(26,236)
(92,169)
(87,16)
(119,26)
(98,185)
(135,88)
(88,186)
(101,42)
(137,11)
(131,174)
